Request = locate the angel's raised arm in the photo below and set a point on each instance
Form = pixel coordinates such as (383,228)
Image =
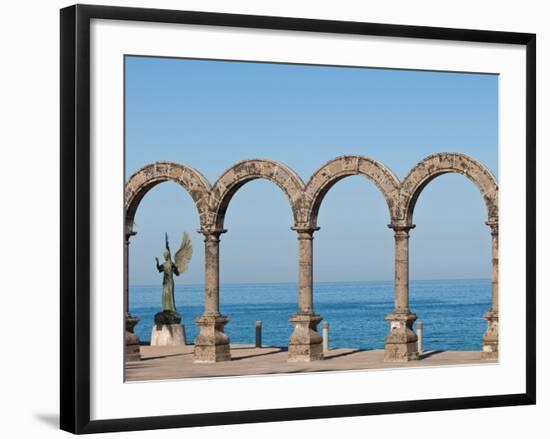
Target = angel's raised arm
(160,268)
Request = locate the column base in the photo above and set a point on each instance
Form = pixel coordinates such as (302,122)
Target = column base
(401,343)
(489,350)
(131,340)
(212,344)
(305,344)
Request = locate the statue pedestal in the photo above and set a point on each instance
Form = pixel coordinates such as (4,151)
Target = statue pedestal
(168,330)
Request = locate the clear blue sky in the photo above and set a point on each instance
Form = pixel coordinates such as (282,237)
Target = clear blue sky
(211,114)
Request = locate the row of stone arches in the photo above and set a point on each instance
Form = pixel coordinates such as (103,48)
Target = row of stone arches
(305,344)
(305,199)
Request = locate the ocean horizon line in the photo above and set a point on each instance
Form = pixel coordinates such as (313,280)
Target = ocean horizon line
(321,282)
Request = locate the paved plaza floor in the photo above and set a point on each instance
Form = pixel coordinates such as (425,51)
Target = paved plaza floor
(164,363)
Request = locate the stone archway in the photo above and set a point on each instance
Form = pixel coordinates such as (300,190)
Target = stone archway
(413,184)
(443,163)
(212,344)
(305,343)
(335,170)
(141,182)
(247,170)
(292,185)
(147,177)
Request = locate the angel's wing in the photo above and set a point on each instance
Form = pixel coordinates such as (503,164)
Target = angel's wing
(183,255)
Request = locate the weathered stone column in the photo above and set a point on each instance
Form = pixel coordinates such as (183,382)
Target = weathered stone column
(305,343)
(490,338)
(400,343)
(130,338)
(212,344)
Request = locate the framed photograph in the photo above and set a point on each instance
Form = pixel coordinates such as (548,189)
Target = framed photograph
(274,218)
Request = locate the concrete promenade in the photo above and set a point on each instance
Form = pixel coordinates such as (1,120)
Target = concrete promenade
(161,363)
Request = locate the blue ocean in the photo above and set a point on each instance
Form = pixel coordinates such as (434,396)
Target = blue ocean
(451,311)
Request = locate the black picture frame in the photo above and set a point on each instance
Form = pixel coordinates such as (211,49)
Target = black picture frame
(75,217)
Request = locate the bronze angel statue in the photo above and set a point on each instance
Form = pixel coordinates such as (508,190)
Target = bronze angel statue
(169,268)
